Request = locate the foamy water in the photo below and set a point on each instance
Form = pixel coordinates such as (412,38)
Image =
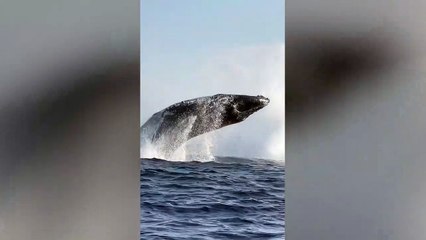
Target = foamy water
(200,148)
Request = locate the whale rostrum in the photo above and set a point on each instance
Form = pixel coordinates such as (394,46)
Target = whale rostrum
(170,128)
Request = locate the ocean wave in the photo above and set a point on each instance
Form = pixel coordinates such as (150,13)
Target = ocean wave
(228,198)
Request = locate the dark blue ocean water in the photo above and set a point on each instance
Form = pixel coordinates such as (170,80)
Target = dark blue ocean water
(229,198)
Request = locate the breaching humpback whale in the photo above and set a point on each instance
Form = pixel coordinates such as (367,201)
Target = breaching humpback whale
(170,128)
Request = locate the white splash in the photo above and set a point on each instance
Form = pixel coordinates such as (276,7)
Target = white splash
(159,149)
(201,148)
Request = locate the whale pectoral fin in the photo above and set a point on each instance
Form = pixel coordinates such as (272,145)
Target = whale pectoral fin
(171,136)
(172,117)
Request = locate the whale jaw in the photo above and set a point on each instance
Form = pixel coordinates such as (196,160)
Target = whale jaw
(243,107)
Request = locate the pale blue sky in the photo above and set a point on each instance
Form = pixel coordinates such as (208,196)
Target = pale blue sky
(186,29)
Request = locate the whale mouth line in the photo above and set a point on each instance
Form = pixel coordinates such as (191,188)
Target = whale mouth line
(252,105)
(253,109)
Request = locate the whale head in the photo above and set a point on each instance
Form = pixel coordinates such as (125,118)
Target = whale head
(239,107)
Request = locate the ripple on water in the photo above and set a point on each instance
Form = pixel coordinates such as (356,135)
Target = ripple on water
(230,198)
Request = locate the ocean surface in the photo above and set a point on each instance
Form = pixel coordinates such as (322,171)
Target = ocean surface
(228,198)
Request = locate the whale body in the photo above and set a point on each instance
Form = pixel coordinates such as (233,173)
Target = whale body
(168,129)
